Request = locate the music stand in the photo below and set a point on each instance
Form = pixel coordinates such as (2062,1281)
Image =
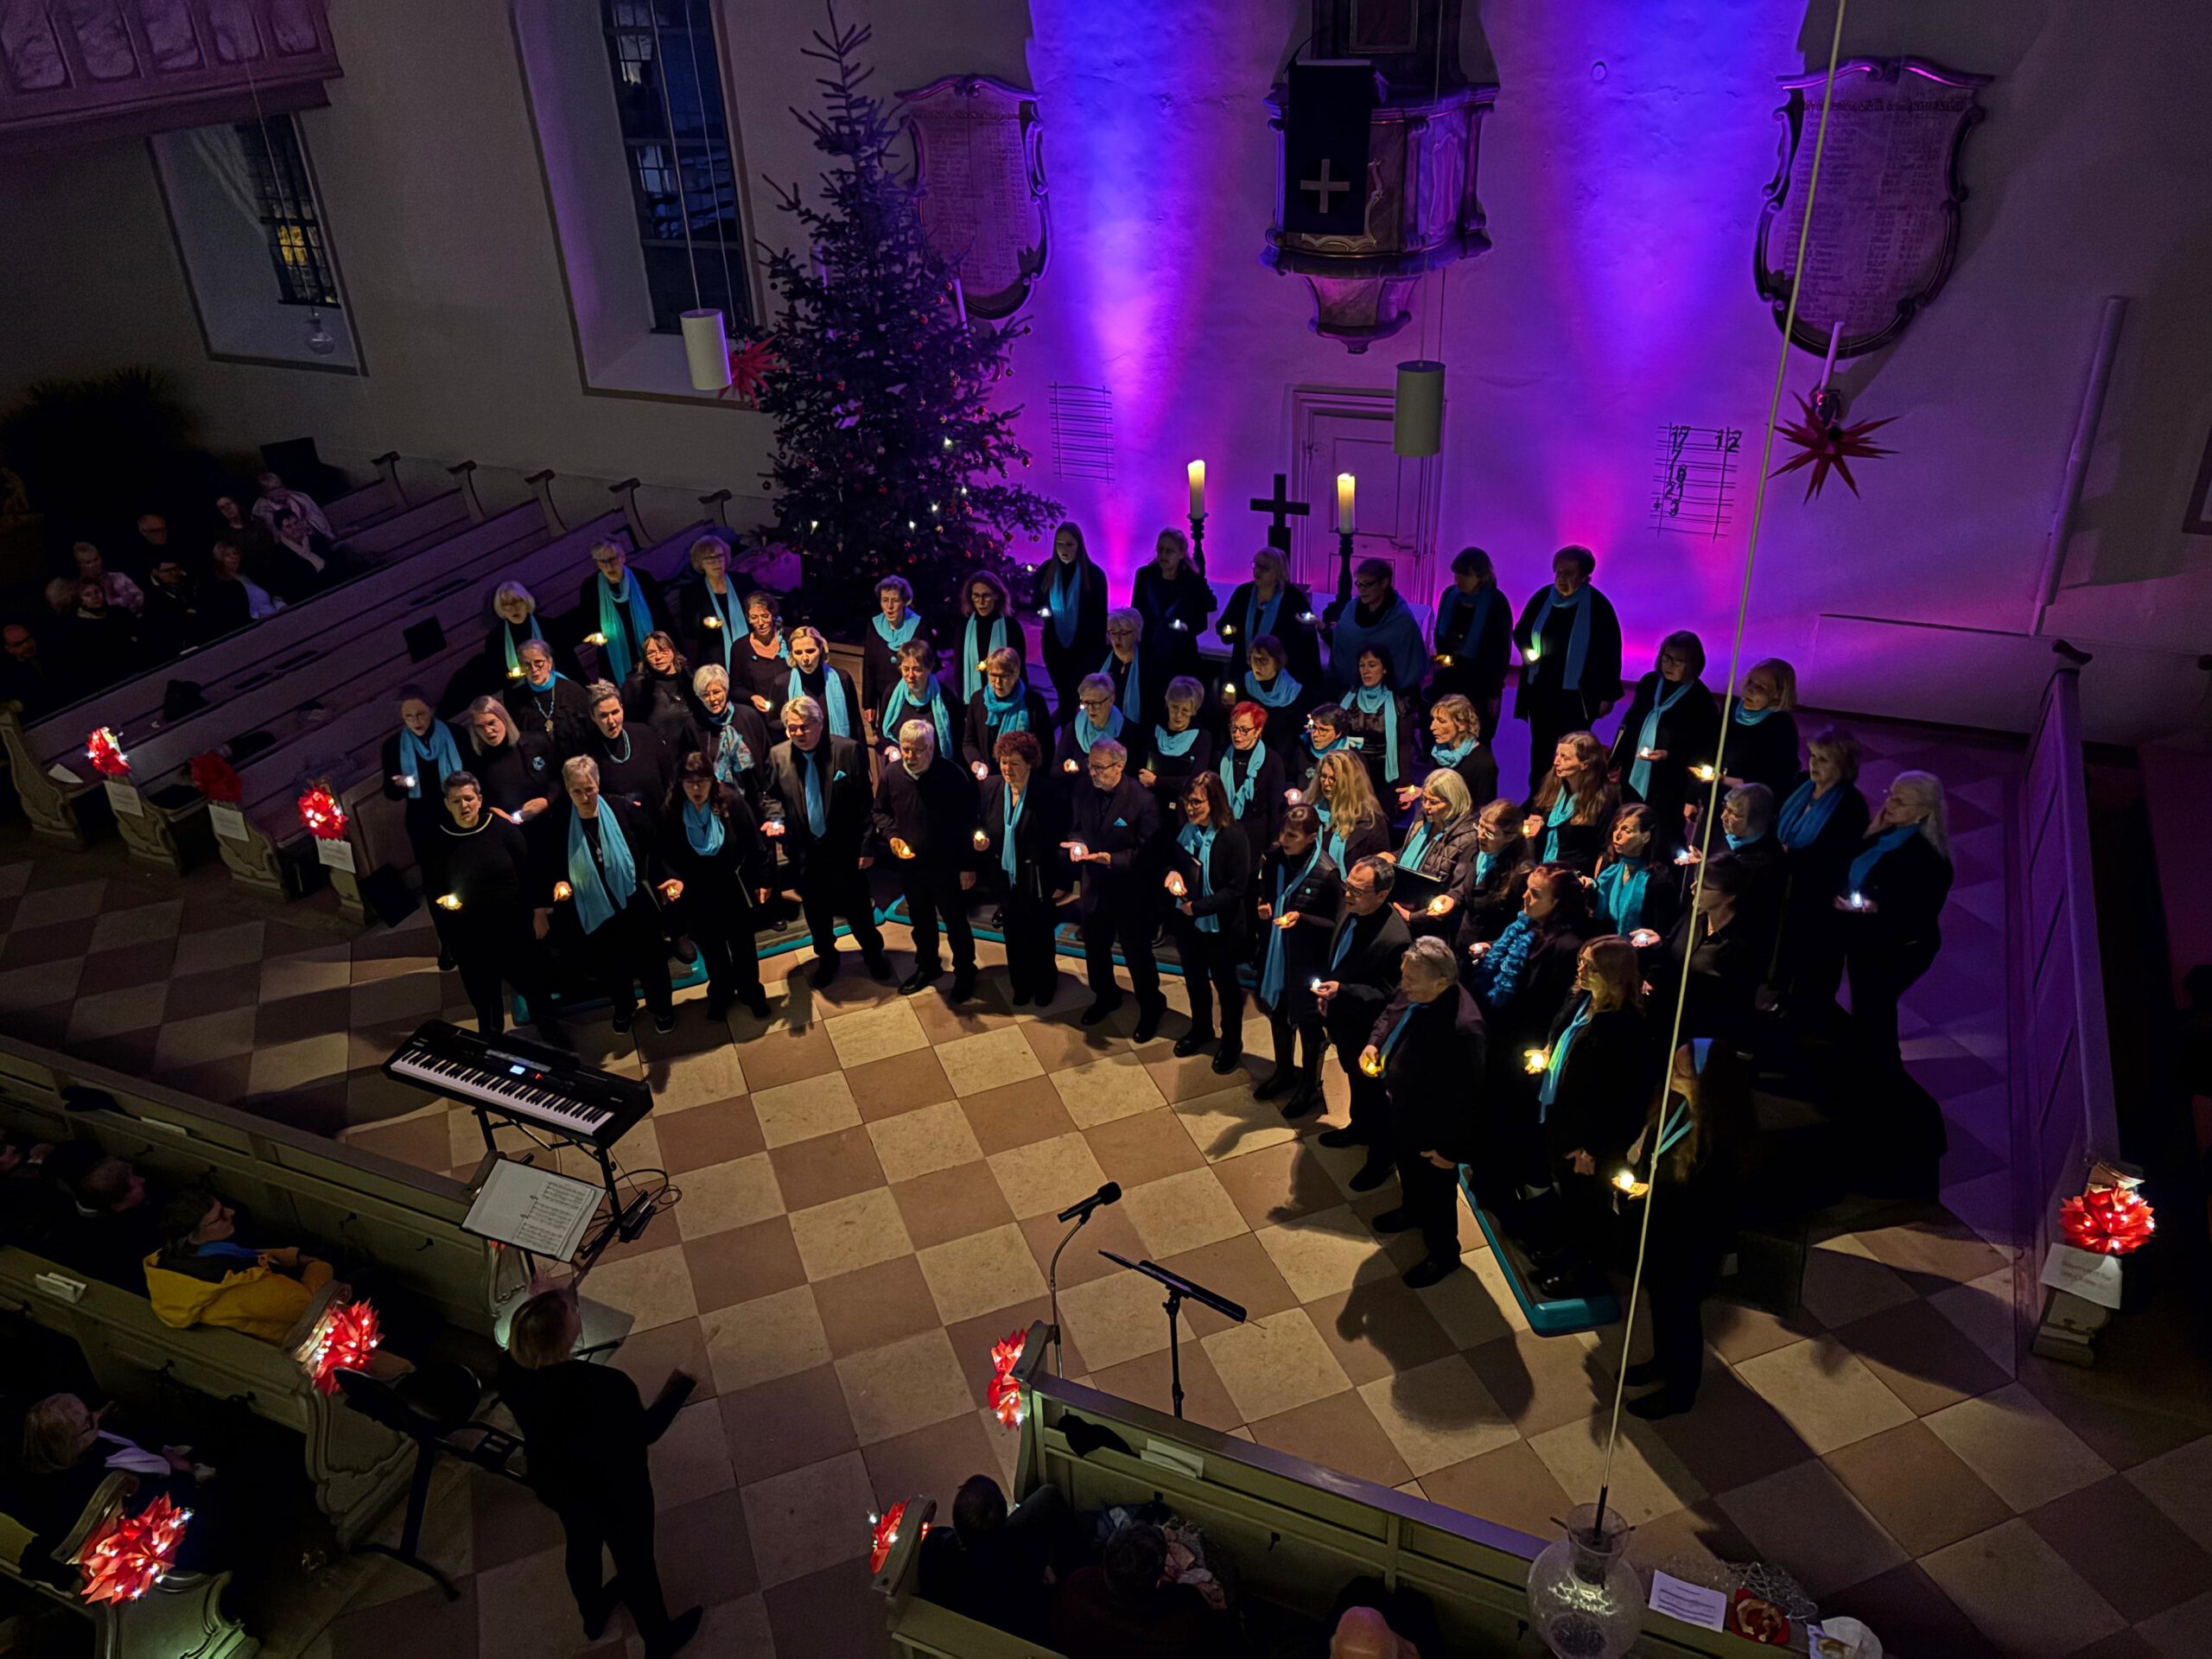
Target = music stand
(1178,1288)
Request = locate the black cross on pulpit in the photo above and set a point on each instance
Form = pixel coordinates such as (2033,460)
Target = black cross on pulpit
(1284,510)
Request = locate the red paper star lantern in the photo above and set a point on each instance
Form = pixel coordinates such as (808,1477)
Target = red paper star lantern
(749,366)
(2108,1220)
(1823,445)
(1004,1394)
(216,778)
(884,1533)
(128,1555)
(343,1340)
(106,753)
(319,812)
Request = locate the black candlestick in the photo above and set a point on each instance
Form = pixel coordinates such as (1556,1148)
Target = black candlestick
(1343,581)
(1199,541)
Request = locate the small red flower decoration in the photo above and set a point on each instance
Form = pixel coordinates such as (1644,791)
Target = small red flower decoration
(1004,1394)
(1823,445)
(2109,1220)
(1758,1620)
(319,812)
(343,1340)
(749,367)
(106,753)
(217,778)
(884,1533)
(128,1555)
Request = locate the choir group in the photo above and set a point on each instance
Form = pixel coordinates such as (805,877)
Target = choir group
(1318,816)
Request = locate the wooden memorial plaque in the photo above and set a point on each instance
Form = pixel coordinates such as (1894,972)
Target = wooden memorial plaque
(1886,223)
(979,162)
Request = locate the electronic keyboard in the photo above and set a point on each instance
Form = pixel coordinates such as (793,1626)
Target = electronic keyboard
(525,1081)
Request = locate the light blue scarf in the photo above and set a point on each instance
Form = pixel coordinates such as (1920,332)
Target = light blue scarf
(1744,716)
(1577,638)
(1451,754)
(971,677)
(1447,621)
(1173,745)
(1281,694)
(1563,809)
(702,828)
(1620,885)
(726,635)
(732,754)
(507,638)
(837,712)
(613,604)
(1132,690)
(1240,795)
(438,751)
(810,763)
(1497,977)
(893,637)
(1547,1090)
(1409,855)
(1009,714)
(1876,850)
(1379,700)
(1271,962)
(1804,815)
(1066,597)
(1198,843)
(1087,735)
(1398,1030)
(1639,774)
(597,901)
(932,709)
(1011,810)
(1257,620)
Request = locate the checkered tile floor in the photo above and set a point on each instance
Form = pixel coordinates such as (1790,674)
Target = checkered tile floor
(868,1185)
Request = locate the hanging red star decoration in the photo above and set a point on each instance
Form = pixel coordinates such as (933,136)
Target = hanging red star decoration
(128,1555)
(343,1339)
(884,1533)
(2108,1220)
(319,812)
(105,752)
(216,778)
(1004,1394)
(749,366)
(1826,445)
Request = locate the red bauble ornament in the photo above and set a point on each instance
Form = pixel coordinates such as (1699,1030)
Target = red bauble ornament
(2108,1220)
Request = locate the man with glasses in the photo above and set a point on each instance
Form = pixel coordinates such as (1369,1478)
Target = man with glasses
(817,808)
(1570,643)
(1358,972)
(1380,621)
(1113,823)
(925,819)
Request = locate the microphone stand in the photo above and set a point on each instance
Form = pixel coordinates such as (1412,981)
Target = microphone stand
(1052,1287)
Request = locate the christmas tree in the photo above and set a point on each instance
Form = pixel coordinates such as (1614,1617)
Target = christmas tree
(891,458)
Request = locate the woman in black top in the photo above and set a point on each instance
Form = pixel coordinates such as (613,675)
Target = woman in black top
(1385,722)
(1021,822)
(1209,877)
(587,1432)
(710,617)
(606,881)
(1005,702)
(1490,890)
(1474,641)
(1762,728)
(760,664)
(1253,774)
(657,694)
(1638,892)
(715,850)
(1821,820)
(1170,751)
(547,703)
(1174,600)
(1353,826)
(1301,893)
(1069,600)
(1522,978)
(515,623)
(813,675)
(1567,816)
(732,734)
(986,624)
(1670,731)
(1271,604)
(1712,945)
(417,759)
(1455,740)
(1594,1078)
(476,871)
(518,773)
(1440,845)
(1269,681)
(895,623)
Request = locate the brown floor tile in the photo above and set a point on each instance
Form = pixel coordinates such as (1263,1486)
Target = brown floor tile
(1510,1484)
(1109,1229)
(1934,1245)
(741,1264)
(1146,1381)
(1187,1079)
(1017,1115)
(943,1023)
(648,1356)
(1377,1327)
(2120,1644)
(34,947)
(2109,1409)
(704,1554)
(1926,1361)
(1338,1433)
(972,1341)
(1239,1268)
(1807,1522)
(933,1462)
(902,1082)
(1691,1541)
(424,1142)
(949,1204)
(1733,1437)
(130,965)
(874,1306)
(1741,1333)
(774,1428)
(1135,1150)
(221,1080)
(1278,1184)
(705,1136)
(289,1019)
(424,1626)
(2022,1593)
(826,1166)
(1061,1043)
(1540,1382)
(2119,1541)
(507,1522)
(784,1056)
(1918,1488)
(832,1614)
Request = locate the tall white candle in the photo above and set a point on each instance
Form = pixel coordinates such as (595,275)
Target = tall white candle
(1345,524)
(1196,469)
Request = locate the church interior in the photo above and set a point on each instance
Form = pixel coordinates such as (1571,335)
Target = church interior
(1545,667)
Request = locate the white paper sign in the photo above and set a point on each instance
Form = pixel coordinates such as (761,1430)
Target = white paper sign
(533,1209)
(2093,1277)
(338,854)
(229,821)
(125,800)
(1691,1603)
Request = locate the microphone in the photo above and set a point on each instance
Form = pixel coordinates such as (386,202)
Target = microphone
(1110,1193)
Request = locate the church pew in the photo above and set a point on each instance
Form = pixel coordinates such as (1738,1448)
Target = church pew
(414,525)
(1297,1533)
(156,804)
(71,809)
(359,508)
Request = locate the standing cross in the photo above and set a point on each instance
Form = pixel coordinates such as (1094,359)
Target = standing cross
(1325,189)
(1284,510)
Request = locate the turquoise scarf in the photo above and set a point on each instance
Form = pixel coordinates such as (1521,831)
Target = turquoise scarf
(932,709)
(1258,620)
(1621,884)
(1577,638)
(613,605)
(1876,850)
(893,637)
(1804,815)
(732,754)
(811,762)
(1010,815)
(1451,754)
(1240,795)
(1639,774)
(1271,962)
(1066,600)
(1087,735)
(1744,716)
(1547,1090)
(1563,809)
(1409,855)
(836,714)
(1448,624)
(1198,843)
(702,828)
(971,677)
(1009,714)
(438,751)
(1132,690)
(507,638)
(597,901)
(726,635)
(1378,700)
(1173,745)
(1278,695)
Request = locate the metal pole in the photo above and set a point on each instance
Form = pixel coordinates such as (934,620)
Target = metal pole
(2077,457)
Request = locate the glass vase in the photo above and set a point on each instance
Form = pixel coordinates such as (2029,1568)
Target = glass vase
(1585,1599)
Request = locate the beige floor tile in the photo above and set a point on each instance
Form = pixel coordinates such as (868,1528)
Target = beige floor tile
(206,1037)
(111,1013)
(290,1065)
(1100,1090)
(1983,1309)
(1805,1521)
(1114,1318)
(799,1111)
(399,997)
(971,1276)
(1841,1286)
(1471,1306)
(1181,1213)
(810,1518)
(723,1196)
(217,947)
(990,1060)
(682,1081)
(2010,1438)
(140,925)
(1047,1176)
(1060,1044)
(761,1340)
(1272,1365)
(1326,1255)
(2180,1483)
(41,985)
(652,1288)
(1648,1480)
(2022,1594)
(849,1233)
(524,1607)
(1824,1392)
(1438,1414)
(326,968)
(2178,1633)
(875,1033)
(904,1386)
(920,1142)
(690,1461)
(1229,1121)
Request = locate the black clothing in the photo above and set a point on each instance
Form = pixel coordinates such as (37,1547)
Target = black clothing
(934,817)
(425,805)
(997,1578)
(1153,669)
(1542,699)
(1489,901)
(817,686)
(1173,772)
(1477,668)
(1365,968)
(1210,960)
(660,702)
(1262,818)
(1369,732)
(1185,599)
(1066,665)
(692,605)
(1286,721)
(1316,900)
(1447,857)
(825,868)
(718,910)
(110,1245)
(639,768)
(490,937)
(1116,902)
(1580,842)
(1603,1085)
(1431,1075)
(1724,969)
(632,945)
(37,689)
(559,712)
(982,733)
(1759,904)
(1809,955)
(1689,733)
(1887,949)
(1302,638)
(1478,769)
(588,618)
(512,774)
(880,667)
(745,769)
(1763,753)
(752,675)
(1041,869)
(174,620)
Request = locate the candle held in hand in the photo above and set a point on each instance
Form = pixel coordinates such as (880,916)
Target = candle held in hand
(1045,611)
(448,901)
(900,848)
(1078,851)
(562,893)
(1705,774)
(594,639)
(1285,921)
(711,622)
(1175,885)
(1068,766)
(1533,1060)
(514,673)
(983,839)
(1439,905)
(1371,1063)
(1625,1180)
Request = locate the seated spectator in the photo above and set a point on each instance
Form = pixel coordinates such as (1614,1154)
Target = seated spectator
(109,1229)
(173,621)
(103,639)
(233,523)
(990,1568)
(61,599)
(229,596)
(26,677)
(31,1205)
(277,500)
(1371,1620)
(203,1275)
(122,593)
(1127,1608)
(67,1454)
(300,548)
(155,543)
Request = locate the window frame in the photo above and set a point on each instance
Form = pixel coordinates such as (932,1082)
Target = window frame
(286,192)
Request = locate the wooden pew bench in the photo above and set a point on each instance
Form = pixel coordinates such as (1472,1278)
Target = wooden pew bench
(72,809)
(358,508)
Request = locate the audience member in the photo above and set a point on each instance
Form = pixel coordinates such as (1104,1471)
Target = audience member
(990,1566)
(121,593)
(203,1275)
(1127,1608)
(111,1228)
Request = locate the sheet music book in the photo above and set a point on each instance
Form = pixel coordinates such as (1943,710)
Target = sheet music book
(540,1210)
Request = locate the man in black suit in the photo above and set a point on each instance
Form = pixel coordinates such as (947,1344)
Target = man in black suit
(1358,971)
(817,806)
(110,1229)
(1113,823)
(925,819)
(635,762)
(1428,1045)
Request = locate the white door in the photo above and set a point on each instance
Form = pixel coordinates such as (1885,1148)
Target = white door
(1387,499)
